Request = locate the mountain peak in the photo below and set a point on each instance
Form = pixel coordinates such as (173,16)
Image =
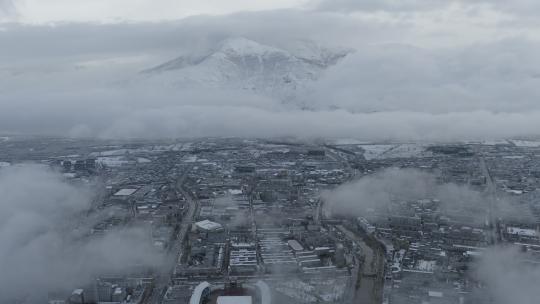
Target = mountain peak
(244,46)
(241,63)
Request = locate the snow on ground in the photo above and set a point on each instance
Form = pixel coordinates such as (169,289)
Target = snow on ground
(148,149)
(526,143)
(494,142)
(110,152)
(394,151)
(374,151)
(424,265)
(189,159)
(112,161)
(514,156)
(179,147)
(4,164)
(4,138)
(407,150)
(348,141)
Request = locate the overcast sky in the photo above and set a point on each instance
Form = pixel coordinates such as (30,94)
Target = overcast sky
(38,11)
(422,69)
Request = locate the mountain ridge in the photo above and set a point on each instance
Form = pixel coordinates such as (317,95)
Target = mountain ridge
(245,64)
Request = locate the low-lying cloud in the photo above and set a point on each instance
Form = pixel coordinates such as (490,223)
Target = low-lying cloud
(377,192)
(507,274)
(42,248)
(510,276)
(375,94)
(397,77)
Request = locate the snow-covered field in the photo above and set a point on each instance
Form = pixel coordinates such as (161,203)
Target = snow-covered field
(112,161)
(348,141)
(149,149)
(494,142)
(110,152)
(376,151)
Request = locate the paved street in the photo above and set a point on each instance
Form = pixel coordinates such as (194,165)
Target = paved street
(175,253)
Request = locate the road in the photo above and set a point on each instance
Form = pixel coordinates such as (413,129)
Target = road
(491,196)
(163,280)
(335,156)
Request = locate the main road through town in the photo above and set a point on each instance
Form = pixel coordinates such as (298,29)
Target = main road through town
(175,253)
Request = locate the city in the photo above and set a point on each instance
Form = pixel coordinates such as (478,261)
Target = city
(269,152)
(265,221)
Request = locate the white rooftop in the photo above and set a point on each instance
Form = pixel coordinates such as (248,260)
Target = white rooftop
(78,291)
(234,300)
(435,294)
(521,231)
(295,245)
(208,225)
(235,191)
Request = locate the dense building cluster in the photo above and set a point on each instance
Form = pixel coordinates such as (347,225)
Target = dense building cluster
(244,220)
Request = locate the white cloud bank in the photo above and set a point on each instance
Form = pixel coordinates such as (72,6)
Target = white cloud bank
(510,276)
(40,246)
(381,190)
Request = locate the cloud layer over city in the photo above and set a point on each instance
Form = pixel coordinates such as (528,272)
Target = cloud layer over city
(510,275)
(41,235)
(382,189)
(507,274)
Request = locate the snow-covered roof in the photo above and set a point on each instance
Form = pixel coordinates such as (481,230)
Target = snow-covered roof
(295,245)
(521,231)
(435,294)
(235,191)
(78,291)
(208,225)
(125,192)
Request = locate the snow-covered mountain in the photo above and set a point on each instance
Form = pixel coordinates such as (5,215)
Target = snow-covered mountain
(240,63)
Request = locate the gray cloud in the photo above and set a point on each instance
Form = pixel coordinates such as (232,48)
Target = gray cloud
(6,4)
(84,81)
(7,8)
(401,77)
(192,121)
(68,42)
(379,5)
(40,227)
(146,113)
(380,190)
(517,6)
